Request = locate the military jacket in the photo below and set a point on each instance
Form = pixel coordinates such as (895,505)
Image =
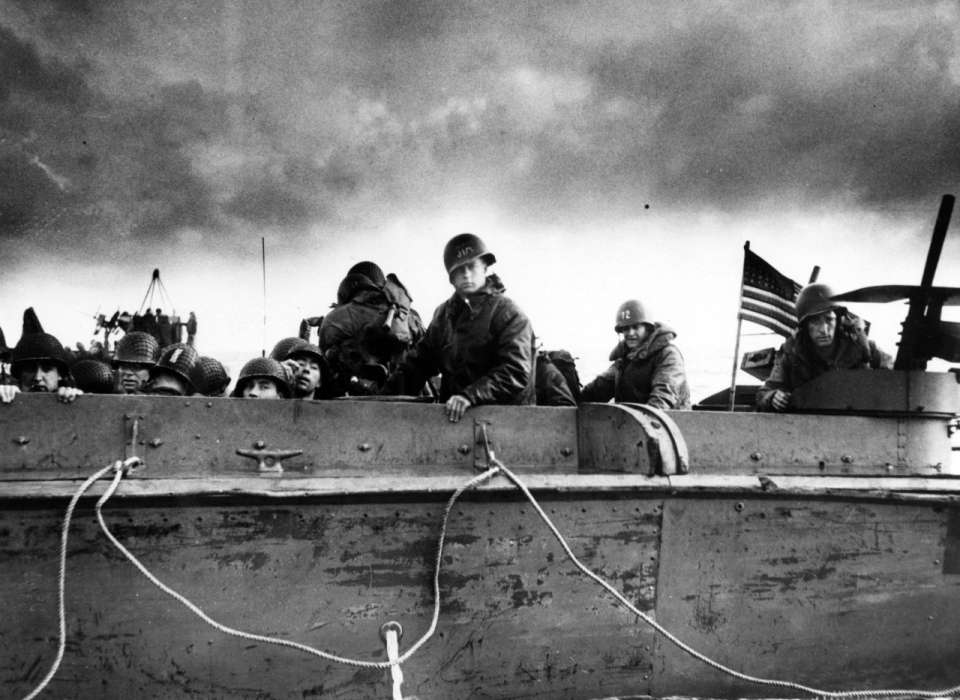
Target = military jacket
(798,361)
(482,346)
(652,374)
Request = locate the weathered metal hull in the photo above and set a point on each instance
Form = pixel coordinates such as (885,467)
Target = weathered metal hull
(843,581)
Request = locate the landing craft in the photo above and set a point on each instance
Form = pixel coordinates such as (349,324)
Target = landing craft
(166,328)
(689,553)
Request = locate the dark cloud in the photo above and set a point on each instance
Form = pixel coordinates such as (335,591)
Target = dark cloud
(23,70)
(741,114)
(145,121)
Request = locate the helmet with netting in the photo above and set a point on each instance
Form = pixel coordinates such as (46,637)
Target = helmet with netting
(209,376)
(93,376)
(38,347)
(137,348)
(263,368)
(177,359)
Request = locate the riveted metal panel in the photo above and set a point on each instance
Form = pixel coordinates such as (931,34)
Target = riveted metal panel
(767,443)
(517,619)
(830,594)
(196,437)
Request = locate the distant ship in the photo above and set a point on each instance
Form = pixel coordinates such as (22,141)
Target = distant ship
(166,328)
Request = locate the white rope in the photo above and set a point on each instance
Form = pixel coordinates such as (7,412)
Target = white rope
(62,581)
(498,465)
(393,654)
(394,658)
(286,642)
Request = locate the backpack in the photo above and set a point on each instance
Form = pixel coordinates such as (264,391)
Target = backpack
(566,363)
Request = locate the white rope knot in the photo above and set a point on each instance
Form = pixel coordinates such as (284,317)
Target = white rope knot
(391,633)
(125,466)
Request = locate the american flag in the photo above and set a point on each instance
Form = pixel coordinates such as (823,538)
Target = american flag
(766,296)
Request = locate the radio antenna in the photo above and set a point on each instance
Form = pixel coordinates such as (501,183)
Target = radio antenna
(263,265)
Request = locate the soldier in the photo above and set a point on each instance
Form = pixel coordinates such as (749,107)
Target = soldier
(367,333)
(552,387)
(38,364)
(828,337)
(136,353)
(171,375)
(479,340)
(305,363)
(93,376)
(262,378)
(647,367)
(210,377)
(5,377)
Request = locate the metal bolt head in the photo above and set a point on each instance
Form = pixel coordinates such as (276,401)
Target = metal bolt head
(464,449)
(22,440)
(156,442)
(259,444)
(566,451)
(364,447)
(756,456)
(846,459)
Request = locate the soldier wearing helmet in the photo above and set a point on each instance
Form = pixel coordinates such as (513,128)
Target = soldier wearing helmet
(647,367)
(209,376)
(262,378)
(39,363)
(479,340)
(368,331)
(93,376)
(828,337)
(171,375)
(305,364)
(136,353)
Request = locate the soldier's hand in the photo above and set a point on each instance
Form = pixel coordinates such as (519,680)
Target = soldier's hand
(780,400)
(68,394)
(7,392)
(456,407)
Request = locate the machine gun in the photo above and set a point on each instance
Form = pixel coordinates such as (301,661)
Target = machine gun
(924,335)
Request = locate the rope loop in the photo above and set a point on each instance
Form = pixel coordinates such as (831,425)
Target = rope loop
(392,631)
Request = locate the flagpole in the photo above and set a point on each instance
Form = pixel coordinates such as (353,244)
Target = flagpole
(736,347)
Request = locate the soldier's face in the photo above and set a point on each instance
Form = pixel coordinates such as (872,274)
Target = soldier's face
(40,376)
(132,378)
(469,277)
(634,335)
(308,375)
(822,328)
(260,388)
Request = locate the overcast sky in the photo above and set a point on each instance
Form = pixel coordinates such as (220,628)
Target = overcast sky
(603,150)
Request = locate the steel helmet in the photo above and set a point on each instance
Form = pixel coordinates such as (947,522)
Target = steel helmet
(464,248)
(177,359)
(630,313)
(92,376)
(39,347)
(364,275)
(814,299)
(308,349)
(137,348)
(263,368)
(281,351)
(209,376)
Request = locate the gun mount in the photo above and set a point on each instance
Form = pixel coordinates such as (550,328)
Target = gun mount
(924,335)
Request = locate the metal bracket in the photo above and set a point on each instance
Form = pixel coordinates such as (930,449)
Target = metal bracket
(132,432)
(483,454)
(270,461)
(674,456)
